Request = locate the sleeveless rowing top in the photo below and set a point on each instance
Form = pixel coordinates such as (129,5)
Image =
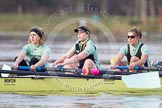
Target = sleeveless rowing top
(138,54)
(89,48)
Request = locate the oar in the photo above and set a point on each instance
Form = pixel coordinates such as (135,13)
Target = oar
(77,71)
(84,71)
(136,83)
(141,68)
(142,80)
(157,63)
(5,67)
(60,74)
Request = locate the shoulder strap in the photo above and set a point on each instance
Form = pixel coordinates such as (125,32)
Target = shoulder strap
(83,46)
(128,54)
(138,54)
(77,51)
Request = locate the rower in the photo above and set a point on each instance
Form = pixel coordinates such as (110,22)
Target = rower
(35,53)
(83,53)
(136,52)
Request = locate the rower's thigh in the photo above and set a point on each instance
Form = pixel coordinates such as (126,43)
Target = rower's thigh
(134,59)
(72,66)
(89,63)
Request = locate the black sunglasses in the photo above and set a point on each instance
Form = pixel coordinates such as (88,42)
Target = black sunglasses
(131,37)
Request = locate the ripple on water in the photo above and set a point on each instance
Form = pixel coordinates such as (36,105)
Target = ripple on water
(103,100)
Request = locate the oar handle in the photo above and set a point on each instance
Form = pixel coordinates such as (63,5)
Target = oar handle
(27,68)
(157,63)
(140,68)
(121,67)
(126,67)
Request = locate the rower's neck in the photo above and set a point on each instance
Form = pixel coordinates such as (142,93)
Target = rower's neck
(83,42)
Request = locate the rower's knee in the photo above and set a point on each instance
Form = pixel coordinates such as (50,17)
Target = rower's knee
(134,59)
(89,63)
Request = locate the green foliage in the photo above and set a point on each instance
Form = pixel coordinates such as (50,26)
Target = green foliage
(14,22)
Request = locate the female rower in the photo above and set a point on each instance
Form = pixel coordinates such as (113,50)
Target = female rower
(137,53)
(83,54)
(35,53)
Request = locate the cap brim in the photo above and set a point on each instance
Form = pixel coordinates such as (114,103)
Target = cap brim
(77,30)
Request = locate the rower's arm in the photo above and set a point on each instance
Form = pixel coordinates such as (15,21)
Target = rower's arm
(20,57)
(119,58)
(65,56)
(43,60)
(142,61)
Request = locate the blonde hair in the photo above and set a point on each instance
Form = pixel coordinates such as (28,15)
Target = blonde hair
(136,31)
(42,37)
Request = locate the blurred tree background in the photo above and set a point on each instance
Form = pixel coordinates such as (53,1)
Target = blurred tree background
(109,21)
(19,15)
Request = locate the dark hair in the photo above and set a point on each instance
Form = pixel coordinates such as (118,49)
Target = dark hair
(40,33)
(136,31)
(36,30)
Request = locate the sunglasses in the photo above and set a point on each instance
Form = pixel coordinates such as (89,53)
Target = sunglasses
(132,37)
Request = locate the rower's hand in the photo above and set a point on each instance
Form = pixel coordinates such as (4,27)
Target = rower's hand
(154,63)
(15,66)
(131,66)
(60,64)
(55,64)
(33,67)
(113,67)
(51,65)
(66,61)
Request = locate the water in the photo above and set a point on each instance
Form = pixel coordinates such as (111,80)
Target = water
(102,101)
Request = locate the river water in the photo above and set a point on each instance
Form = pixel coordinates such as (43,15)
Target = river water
(101,101)
(9,48)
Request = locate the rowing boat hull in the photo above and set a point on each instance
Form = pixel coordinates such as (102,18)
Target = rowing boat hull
(69,86)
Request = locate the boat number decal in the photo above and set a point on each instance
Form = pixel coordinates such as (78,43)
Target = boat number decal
(9,81)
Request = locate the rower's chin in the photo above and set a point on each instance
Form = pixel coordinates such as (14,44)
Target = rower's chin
(131,43)
(79,39)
